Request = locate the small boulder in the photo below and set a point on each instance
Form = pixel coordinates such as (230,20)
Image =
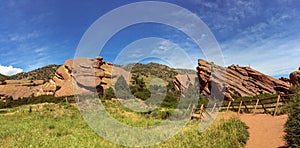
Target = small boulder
(99,58)
(295,77)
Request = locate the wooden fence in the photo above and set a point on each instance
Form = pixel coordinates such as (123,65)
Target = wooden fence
(259,105)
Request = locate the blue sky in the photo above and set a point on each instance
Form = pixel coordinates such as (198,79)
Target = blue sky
(261,33)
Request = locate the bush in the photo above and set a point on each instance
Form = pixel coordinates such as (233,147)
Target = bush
(10,103)
(122,89)
(292,127)
(108,95)
(161,114)
(139,88)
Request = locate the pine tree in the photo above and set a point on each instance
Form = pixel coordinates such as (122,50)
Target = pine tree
(292,127)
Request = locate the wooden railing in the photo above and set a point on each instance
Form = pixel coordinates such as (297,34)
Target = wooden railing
(266,105)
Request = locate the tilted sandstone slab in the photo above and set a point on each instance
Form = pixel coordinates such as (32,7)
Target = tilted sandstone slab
(16,91)
(295,77)
(25,88)
(239,80)
(233,81)
(183,81)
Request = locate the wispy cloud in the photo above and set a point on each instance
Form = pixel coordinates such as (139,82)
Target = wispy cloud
(17,37)
(257,33)
(274,55)
(158,48)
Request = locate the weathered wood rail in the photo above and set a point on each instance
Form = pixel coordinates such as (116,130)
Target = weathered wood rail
(259,105)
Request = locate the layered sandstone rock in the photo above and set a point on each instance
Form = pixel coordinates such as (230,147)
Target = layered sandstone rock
(26,88)
(82,75)
(295,77)
(47,88)
(237,80)
(16,91)
(182,81)
(75,76)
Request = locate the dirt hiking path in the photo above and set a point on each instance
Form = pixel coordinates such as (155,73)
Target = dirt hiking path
(266,131)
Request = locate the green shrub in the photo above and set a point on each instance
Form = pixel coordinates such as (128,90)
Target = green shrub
(292,127)
(10,103)
(110,93)
(139,88)
(122,89)
(143,95)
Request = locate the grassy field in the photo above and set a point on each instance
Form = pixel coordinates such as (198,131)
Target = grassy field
(61,125)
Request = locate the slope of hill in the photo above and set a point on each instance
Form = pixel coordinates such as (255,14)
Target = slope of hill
(185,71)
(45,73)
(3,77)
(152,69)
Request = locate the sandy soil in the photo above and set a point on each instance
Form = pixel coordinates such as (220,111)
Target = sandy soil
(266,131)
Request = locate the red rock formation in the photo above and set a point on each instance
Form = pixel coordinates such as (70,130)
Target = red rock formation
(16,91)
(295,77)
(182,81)
(240,81)
(82,75)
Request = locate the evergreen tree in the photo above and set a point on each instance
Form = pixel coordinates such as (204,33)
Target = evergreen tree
(122,89)
(292,127)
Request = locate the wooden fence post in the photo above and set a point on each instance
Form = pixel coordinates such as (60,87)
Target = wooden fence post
(192,112)
(246,107)
(228,106)
(201,110)
(188,110)
(256,104)
(263,106)
(277,103)
(213,109)
(207,113)
(241,103)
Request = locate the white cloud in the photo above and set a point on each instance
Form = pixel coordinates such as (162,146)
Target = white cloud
(275,56)
(38,50)
(158,48)
(9,70)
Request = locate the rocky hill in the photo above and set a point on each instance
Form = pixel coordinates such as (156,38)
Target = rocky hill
(78,76)
(3,77)
(240,80)
(152,69)
(295,77)
(60,81)
(45,73)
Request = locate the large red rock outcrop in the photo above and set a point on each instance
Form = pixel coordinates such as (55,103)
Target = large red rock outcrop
(239,80)
(82,75)
(75,76)
(295,77)
(182,81)
(26,88)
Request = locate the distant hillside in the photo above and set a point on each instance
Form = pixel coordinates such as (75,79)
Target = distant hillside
(44,73)
(186,71)
(152,69)
(3,77)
